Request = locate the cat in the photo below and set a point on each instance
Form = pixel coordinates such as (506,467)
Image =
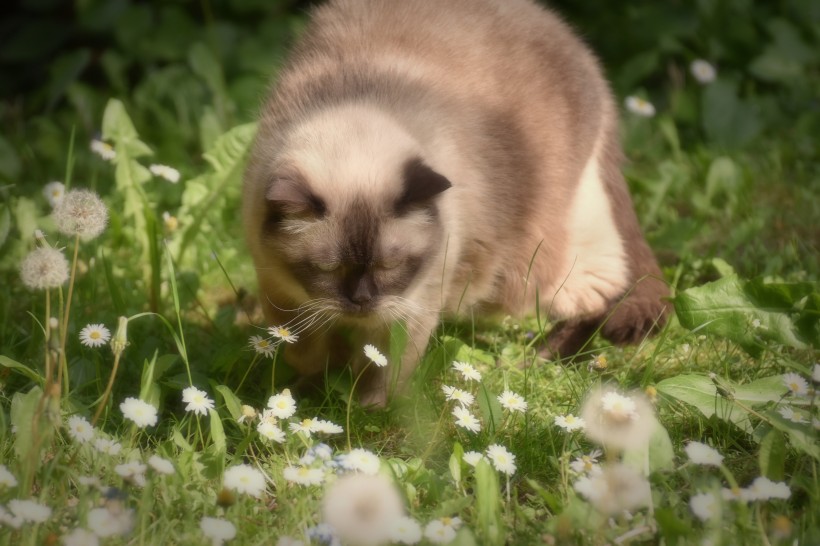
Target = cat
(423,157)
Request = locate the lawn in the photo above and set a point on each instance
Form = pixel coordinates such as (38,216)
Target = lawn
(143,400)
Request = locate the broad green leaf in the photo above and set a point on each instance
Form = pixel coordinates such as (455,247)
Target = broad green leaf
(455,463)
(464,537)
(701,392)
(231,401)
(488,505)
(661,453)
(772,455)
(147,379)
(726,118)
(229,150)
(21,368)
(743,312)
(801,435)
(23,408)
(217,432)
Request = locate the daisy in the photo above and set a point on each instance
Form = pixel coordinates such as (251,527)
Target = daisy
(319,451)
(502,460)
(599,362)
(512,401)
(7,479)
(796,384)
(29,510)
(472,457)
(160,465)
(304,475)
(269,430)
(468,372)
(244,478)
(705,506)
(103,149)
(326,427)
(616,488)
(164,171)
(703,71)
(95,335)
(54,192)
(362,509)
(217,529)
(700,453)
(639,106)
(80,537)
(282,405)
(305,426)
(80,429)
(282,333)
(197,400)
(788,413)
(466,419)
(141,413)
(442,530)
(361,460)
(733,494)
(569,422)
(107,446)
(405,530)
(105,522)
(763,488)
(375,356)
(618,421)
(262,346)
(248,414)
(586,463)
(461,396)
(132,471)
(170,222)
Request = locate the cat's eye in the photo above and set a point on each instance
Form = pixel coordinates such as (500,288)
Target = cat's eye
(327,267)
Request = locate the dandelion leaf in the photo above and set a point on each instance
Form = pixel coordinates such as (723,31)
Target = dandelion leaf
(23,408)
(231,401)
(801,435)
(488,505)
(772,455)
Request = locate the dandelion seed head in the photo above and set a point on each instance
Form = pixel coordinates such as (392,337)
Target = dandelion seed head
(81,212)
(616,488)
(618,421)
(44,268)
(362,509)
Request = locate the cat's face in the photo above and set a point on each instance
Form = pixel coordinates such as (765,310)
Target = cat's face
(354,221)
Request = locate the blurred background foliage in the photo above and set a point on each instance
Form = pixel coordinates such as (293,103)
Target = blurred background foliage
(727,169)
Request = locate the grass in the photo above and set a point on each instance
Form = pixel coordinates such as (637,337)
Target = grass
(724,177)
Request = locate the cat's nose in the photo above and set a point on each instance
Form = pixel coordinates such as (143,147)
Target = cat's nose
(363,293)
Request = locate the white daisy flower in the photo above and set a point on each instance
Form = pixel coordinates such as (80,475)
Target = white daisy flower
(788,413)
(705,506)
(472,457)
(80,429)
(700,453)
(244,478)
(282,405)
(197,400)
(468,372)
(262,346)
(640,107)
(164,171)
(586,464)
(512,401)
(103,149)
(29,510)
(107,523)
(502,459)
(133,471)
(733,494)
(282,333)
(95,335)
(7,479)
(569,422)
(141,413)
(461,396)
(107,446)
(375,356)
(160,465)
(305,426)
(217,529)
(703,71)
(54,192)
(362,509)
(796,384)
(361,460)
(442,530)
(763,488)
(304,475)
(248,414)
(405,530)
(326,427)
(269,430)
(465,419)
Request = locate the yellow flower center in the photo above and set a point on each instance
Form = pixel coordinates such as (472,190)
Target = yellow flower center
(94,335)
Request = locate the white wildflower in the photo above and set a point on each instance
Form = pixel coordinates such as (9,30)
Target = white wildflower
(703,71)
(141,413)
(245,479)
(164,171)
(512,401)
(461,396)
(80,429)
(569,422)
(282,405)
(639,106)
(375,356)
(217,529)
(468,372)
(95,335)
(362,509)
(465,419)
(197,400)
(703,454)
(502,459)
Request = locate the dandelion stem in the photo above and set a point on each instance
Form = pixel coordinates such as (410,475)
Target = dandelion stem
(108,388)
(245,376)
(759,519)
(62,370)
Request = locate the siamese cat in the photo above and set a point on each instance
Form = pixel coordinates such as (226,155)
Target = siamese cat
(418,158)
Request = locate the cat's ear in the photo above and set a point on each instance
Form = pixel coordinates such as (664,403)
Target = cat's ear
(421,184)
(290,194)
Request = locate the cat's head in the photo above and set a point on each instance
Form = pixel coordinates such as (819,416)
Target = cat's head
(351,213)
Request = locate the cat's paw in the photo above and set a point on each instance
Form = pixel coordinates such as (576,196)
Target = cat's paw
(634,319)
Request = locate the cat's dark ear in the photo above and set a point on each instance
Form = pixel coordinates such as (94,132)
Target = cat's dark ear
(290,194)
(420,185)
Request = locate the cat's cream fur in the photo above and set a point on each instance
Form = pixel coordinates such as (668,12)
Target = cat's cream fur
(522,202)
